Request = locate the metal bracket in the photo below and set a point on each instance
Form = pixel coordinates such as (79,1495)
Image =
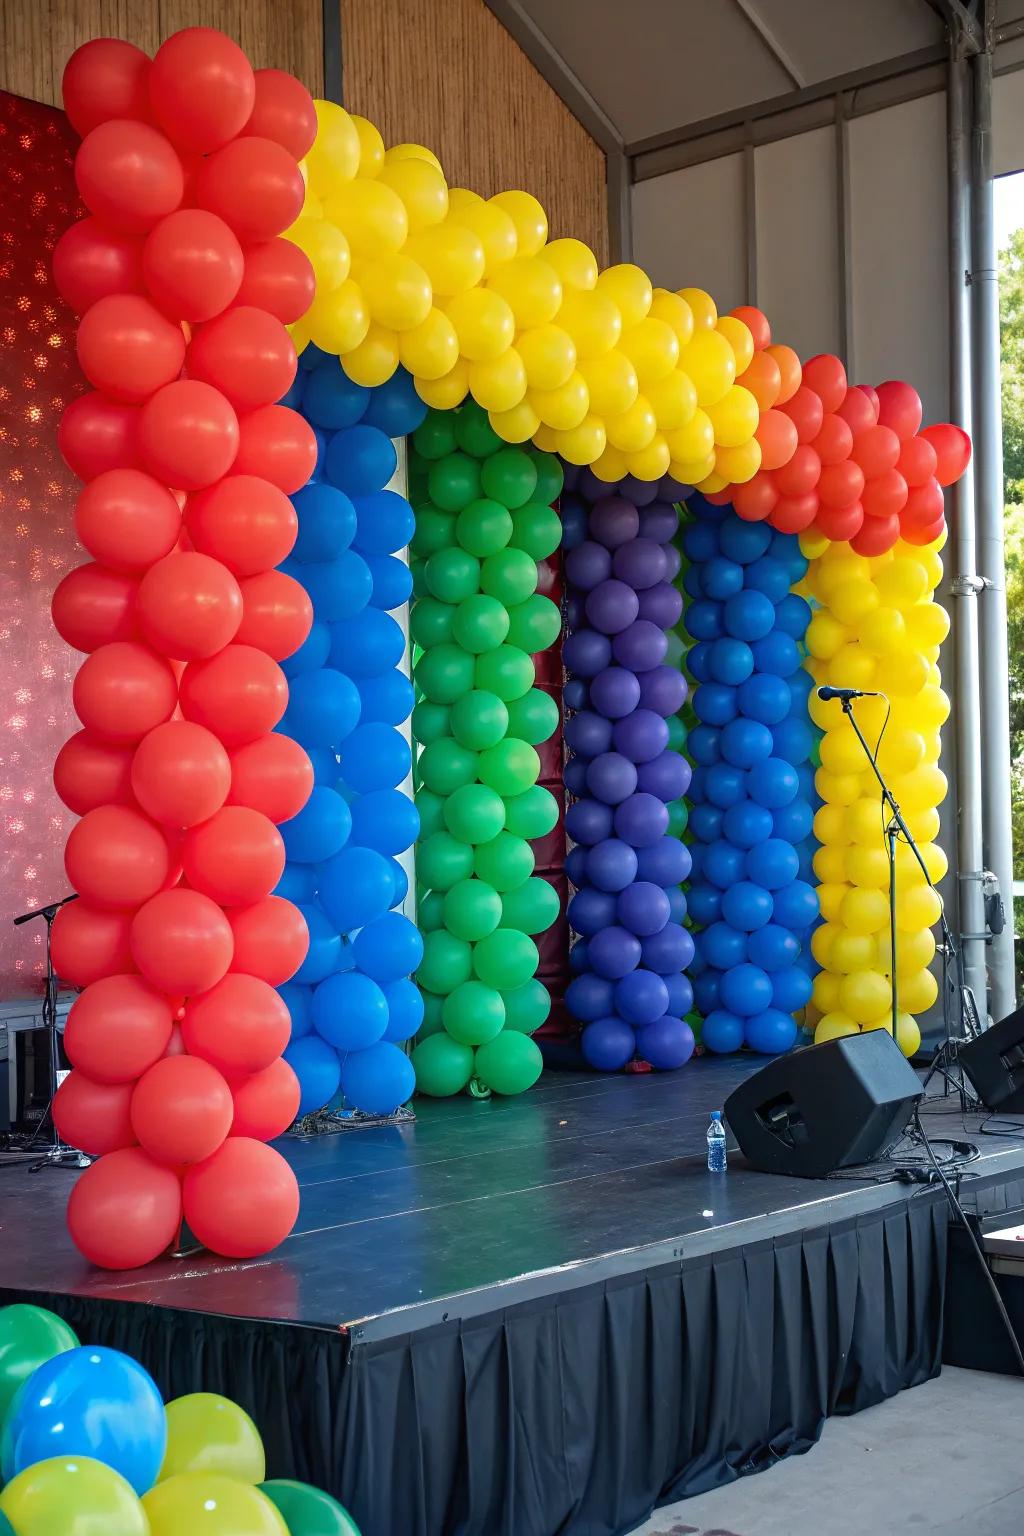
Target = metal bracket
(968,586)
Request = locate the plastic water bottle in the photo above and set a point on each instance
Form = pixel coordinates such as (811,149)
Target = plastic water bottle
(717,1156)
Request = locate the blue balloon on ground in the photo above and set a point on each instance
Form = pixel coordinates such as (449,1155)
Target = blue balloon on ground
(389,948)
(91,1402)
(641,997)
(722,1032)
(386,820)
(774,783)
(796,906)
(773,864)
(667,1043)
(747,906)
(613,952)
(385,522)
(330,399)
(392,581)
(670,950)
(590,910)
(356,887)
(405,1010)
(747,823)
(705,903)
(389,699)
(771,1032)
(378,1079)
(327,523)
(323,707)
(339,588)
(299,1002)
(791,989)
(350,1011)
(297,883)
(324,952)
(746,989)
(360,459)
(316,1065)
(311,654)
(764,697)
(365,646)
(608,1044)
(666,862)
(395,408)
(723,946)
(320,830)
(589,997)
(375,756)
(643,907)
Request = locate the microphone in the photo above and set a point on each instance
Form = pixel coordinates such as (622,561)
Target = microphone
(844,694)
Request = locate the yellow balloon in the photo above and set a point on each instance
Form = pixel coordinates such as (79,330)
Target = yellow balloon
(900,750)
(483,323)
(430,349)
(853,601)
(813,545)
(823,943)
(829,864)
(702,307)
(491,225)
(675,311)
(546,438)
(825,991)
(499,384)
(929,710)
(833,1027)
(593,321)
(922,790)
(300,334)
(371,216)
(924,825)
(412,152)
(902,582)
(914,952)
(927,625)
(883,631)
(690,471)
(210,1433)
(917,906)
(738,465)
(612,382)
(908,1036)
(583,444)
(851,667)
(673,400)
(694,442)
(629,288)
(652,347)
(837,788)
(830,900)
(517,425)
(868,867)
(865,996)
(852,952)
(446,393)
(739,338)
(327,249)
(734,417)
(918,992)
(936,862)
(371,146)
(531,287)
(711,365)
(210,1506)
(933,567)
(421,187)
(451,255)
(633,429)
(528,217)
(71,1496)
(396,289)
(864,911)
(825,635)
(339,321)
(866,822)
(565,407)
(712,482)
(574,262)
(375,359)
(335,153)
(549,356)
(839,748)
(611,465)
(652,462)
(830,826)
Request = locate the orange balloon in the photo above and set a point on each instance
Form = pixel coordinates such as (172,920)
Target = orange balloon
(778,438)
(789,369)
(756,499)
(117,1028)
(826,375)
(756,322)
(764,380)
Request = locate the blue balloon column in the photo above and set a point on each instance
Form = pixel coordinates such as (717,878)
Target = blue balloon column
(752,793)
(352,1002)
(626,775)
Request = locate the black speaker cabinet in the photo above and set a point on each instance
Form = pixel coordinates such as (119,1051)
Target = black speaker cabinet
(830,1106)
(995,1065)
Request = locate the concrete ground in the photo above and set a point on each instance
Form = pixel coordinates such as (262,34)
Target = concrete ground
(946,1458)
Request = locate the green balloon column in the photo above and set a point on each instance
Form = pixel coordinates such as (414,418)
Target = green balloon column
(483,520)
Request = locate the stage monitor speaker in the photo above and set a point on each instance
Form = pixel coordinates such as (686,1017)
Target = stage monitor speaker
(994,1062)
(829,1106)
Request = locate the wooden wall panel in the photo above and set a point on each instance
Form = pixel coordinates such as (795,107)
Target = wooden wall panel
(445,73)
(38,36)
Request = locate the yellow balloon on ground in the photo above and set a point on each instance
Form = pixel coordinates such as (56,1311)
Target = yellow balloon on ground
(72,1496)
(371,146)
(483,323)
(375,359)
(421,187)
(499,384)
(532,289)
(574,262)
(336,150)
(549,356)
(491,225)
(431,349)
(339,321)
(834,1026)
(210,1433)
(451,255)
(203,1504)
(371,216)
(629,288)
(397,291)
(528,218)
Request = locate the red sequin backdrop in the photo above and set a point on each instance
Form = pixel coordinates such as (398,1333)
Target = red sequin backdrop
(38,376)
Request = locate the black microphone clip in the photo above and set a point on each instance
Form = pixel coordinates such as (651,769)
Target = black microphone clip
(843,694)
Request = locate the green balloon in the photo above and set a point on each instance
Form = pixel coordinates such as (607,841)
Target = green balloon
(534,717)
(444,673)
(454,482)
(531,814)
(308,1511)
(484,527)
(550,476)
(678,816)
(431,810)
(447,962)
(430,722)
(474,813)
(452,574)
(479,719)
(472,910)
(435,438)
(431,622)
(510,476)
(510,576)
(510,1063)
(505,862)
(443,1066)
(510,767)
(430,911)
(442,860)
(29,1336)
(434,530)
(474,1013)
(481,623)
(527,1007)
(674,651)
(506,959)
(537,530)
(418,568)
(676,733)
(533,906)
(506,671)
(534,624)
(446,765)
(433,1020)
(473,431)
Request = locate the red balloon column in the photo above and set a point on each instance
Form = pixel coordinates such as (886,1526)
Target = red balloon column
(188,166)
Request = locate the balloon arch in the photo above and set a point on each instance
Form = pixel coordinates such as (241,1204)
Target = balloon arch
(268,299)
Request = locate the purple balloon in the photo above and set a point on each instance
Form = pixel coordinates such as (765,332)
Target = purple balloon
(641,997)
(588,733)
(641,647)
(662,689)
(665,863)
(611,865)
(587,565)
(575,693)
(615,692)
(575,519)
(671,489)
(578,961)
(642,820)
(593,488)
(613,953)
(614,521)
(574,776)
(661,604)
(586,653)
(668,951)
(659,521)
(667,776)
(640,563)
(644,908)
(575,610)
(611,778)
(641,736)
(588,822)
(589,997)
(609,1043)
(590,910)
(639,492)
(673,562)
(668,1043)
(612,606)
(570,475)
(576,867)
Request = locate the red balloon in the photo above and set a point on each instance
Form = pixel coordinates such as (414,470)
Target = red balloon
(278,278)
(181,1110)
(272,774)
(241,1025)
(899,407)
(801,474)
(834,441)
(755,500)
(236,858)
(925,504)
(188,434)
(127,519)
(826,375)
(116,857)
(278,445)
(856,410)
(128,348)
(192,265)
(246,354)
(89,772)
(181,942)
(877,534)
(238,694)
(793,514)
(271,939)
(806,412)
(885,494)
(129,175)
(103,79)
(91,262)
(840,485)
(92,606)
(125,1210)
(189,606)
(246,523)
(123,690)
(872,394)
(266,1102)
(756,322)
(952,450)
(202,88)
(175,1045)
(283,111)
(876,450)
(840,523)
(94,1117)
(90,942)
(777,435)
(918,461)
(277,614)
(243,1201)
(180,774)
(254,185)
(117,1028)
(924,535)
(97,434)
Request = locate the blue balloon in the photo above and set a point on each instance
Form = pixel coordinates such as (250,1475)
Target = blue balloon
(721,578)
(721,1032)
(316,1065)
(611,778)
(356,887)
(723,864)
(749,615)
(385,522)
(92,1402)
(375,756)
(292,398)
(325,952)
(590,910)
(796,906)
(793,614)
(299,1002)
(641,820)
(793,740)
(395,408)
(360,460)
(608,1044)
(697,658)
(774,783)
(588,733)
(741,541)
(670,950)
(793,822)
(722,946)
(575,521)
(706,822)
(297,883)
(747,906)
(575,693)
(704,620)
(666,862)
(401,880)
(703,744)
(773,947)
(325,765)
(611,864)
(771,1032)
(772,864)
(574,776)
(613,952)
(339,589)
(667,1043)
(405,1010)
(715,703)
(385,819)
(350,1011)
(791,989)
(319,830)
(680,994)
(389,948)
(746,742)
(378,1079)
(746,990)
(589,997)
(588,822)
(313,356)
(367,645)
(576,866)
(388,699)
(700,543)
(323,707)
(392,581)
(800,685)
(730,661)
(705,903)
(693,586)
(578,957)
(725,783)
(786,547)
(707,990)
(747,823)
(644,908)
(330,399)
(776,652)
(765,697)
(327,523)
(312,654)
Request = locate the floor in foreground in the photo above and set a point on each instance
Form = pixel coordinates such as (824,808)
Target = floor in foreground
(945,1459)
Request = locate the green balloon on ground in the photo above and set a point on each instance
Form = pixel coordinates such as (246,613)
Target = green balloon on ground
(531,814)
(29,1336)
(505,862)
(431,622)
(447,962)
(454,481)
(444,673)
(532,907)
(433,1007)
(510,576)
(481,623)
(445,766)
(442,860)
(435,438)
(474,1013)
(506,959)
(527,1007)
(536,530)
(510,767)
(479,719)
(430,722)
(535,624)
(308,1511)
(678,816)
(510,1063)
(431,810)
(510,476)
(443,1066)
(550,476)
(474,813)
(484,527)
(506,671)
(473,431)
(534,717)
(430,911)
(676,733)
(472,910)
(434,530)
(452,574)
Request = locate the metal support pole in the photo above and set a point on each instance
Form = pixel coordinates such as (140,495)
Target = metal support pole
(842,153)
(620,205)
(750,219)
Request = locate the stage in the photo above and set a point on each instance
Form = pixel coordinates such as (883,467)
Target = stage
(536,1315)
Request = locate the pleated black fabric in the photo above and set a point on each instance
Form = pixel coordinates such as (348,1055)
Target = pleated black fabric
(576,1414)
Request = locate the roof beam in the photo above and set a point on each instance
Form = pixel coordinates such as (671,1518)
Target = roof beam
(966,31)
(749,10)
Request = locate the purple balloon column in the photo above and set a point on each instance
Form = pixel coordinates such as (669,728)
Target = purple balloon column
(626,867)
